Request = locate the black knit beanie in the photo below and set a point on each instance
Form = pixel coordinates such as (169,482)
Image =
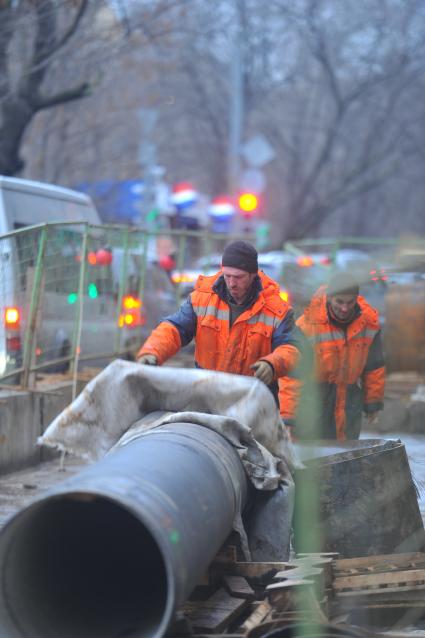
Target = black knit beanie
(343,284)
(240,254)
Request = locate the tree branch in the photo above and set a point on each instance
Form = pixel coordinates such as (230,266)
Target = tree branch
(6,32)
(76,93)
(40,58)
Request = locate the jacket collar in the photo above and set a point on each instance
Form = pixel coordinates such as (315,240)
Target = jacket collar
(264,286)
(317,313)
(220,288)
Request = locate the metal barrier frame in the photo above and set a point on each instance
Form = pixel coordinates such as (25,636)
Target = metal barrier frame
(129,238)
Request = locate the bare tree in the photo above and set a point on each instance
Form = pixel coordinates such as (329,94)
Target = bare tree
(21,83)
(341,127)
(46,44)
(335,87)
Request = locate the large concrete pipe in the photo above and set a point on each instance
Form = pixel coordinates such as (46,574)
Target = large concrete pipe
(113,551)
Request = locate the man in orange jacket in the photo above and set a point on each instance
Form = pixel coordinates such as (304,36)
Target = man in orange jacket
(238,320)
(349,374)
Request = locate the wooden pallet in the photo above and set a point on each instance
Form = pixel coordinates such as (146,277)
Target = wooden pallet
(392,581)
(238,597)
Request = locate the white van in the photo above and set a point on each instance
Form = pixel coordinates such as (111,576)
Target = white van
(25,203)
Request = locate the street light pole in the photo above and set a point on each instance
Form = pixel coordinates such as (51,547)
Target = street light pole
(236,108)
(147,158)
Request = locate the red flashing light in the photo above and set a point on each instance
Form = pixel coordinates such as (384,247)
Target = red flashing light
(182,278)
(182,186)
(167,262)
(91,258)
(103,257)
(131,315)
(13,344)
(131,303)
(12,318)
(305,261)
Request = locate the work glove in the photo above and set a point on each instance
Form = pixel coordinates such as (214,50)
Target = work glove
(148,360)
(372,418)
(263,371)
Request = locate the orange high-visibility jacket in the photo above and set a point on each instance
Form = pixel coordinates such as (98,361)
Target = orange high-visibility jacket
(262,331)
(348,370)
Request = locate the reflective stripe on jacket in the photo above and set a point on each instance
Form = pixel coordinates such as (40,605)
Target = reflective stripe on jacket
(348,370)
(262,331)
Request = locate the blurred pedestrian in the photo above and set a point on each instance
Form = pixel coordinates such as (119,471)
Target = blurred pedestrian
(238,320)
(348,373)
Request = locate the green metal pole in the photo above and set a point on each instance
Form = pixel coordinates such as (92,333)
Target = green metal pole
(142,275)
(80,304)
(33,310)
(121,289)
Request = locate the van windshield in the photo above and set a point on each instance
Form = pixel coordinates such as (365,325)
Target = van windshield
(27,208)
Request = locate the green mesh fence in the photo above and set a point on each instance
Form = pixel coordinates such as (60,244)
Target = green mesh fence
(76,293)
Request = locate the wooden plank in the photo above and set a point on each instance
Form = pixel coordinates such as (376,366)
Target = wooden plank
(383,562)
(238,586)
(379,579)
(259,615)
(250,570)
(331,555)
(316,561)
(391,596)
(296,596)
(404,592)
(216,613)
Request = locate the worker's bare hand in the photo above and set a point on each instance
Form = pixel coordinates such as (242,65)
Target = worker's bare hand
(148,360)
(263,371)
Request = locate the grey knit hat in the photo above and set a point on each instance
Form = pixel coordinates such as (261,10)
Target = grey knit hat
(240,254)
(343,284)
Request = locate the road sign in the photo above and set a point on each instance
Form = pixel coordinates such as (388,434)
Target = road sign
(257,151)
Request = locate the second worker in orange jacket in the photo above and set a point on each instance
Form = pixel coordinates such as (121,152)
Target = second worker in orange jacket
(348,373)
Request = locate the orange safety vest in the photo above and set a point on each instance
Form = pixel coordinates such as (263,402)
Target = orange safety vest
(340,362)
(225,349)
(235,349)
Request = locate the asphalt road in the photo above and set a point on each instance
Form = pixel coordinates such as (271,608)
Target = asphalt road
(19,488)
